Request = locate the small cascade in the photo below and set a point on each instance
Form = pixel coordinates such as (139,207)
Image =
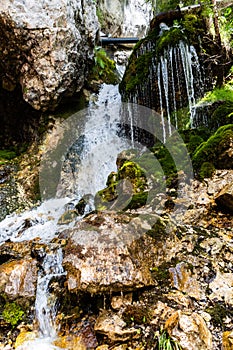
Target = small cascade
(45,305)
(100,145)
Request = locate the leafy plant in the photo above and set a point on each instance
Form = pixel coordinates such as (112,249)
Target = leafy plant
(165,342)
(104,68)
(224,93)
(12,313)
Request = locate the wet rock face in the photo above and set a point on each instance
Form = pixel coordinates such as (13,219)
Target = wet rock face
(18,278)
(46,47)
(98,260)
(110,253)
(115,19)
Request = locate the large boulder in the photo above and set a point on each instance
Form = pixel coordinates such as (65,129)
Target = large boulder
(45,46)
(113,253)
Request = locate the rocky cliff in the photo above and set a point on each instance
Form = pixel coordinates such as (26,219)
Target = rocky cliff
(45,47)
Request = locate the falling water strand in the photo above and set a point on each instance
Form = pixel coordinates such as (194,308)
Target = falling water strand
(189,80)
(164,67)
(161,103)
(45,304)
(173,85)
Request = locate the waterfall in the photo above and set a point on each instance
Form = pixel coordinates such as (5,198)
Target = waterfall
(177,62)
(171,85)
(86,166)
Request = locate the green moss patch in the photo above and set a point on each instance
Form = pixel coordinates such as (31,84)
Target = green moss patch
(169,38)
(214,150)
(12,313)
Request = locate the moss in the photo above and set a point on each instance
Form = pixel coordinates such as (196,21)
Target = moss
(137,201)
(194,142)
(214,149)
(192,25)
(207,170)
(12,313)
(137,71)
(132,171)
(223,114)
(169,38)
(115,190)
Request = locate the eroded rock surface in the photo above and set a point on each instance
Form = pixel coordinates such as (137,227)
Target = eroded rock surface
(18,278)
(45,46)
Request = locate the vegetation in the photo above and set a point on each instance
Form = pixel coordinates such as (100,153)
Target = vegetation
(165,342)
(12,313)
(6,155)
(104,68)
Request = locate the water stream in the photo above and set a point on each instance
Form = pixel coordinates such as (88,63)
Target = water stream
(86,166)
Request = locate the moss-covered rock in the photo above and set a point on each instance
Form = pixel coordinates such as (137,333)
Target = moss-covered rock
(170,37)
(125,189)
(216,150)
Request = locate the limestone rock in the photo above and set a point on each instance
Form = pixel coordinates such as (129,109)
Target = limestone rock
(227,340)
(18,278)
(119,301)
(23,337)
(70,343)
(185,281)
(113,326)
(111,252)
(221,288)
(45,47)
(190,331)
(117,22)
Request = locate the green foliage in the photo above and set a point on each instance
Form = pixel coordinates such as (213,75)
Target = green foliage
(224,93)
(104,68)
(165,342)
(100,16)
(226,24)
(12,313)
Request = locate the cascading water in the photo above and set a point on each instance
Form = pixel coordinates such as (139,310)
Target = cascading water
(45,305)
(86,166)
